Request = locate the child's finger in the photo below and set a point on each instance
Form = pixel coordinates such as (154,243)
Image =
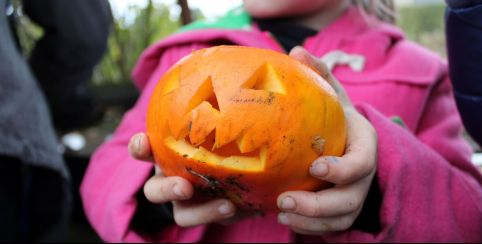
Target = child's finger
(359,159)
(341,200)
(239,216)
(306,232)
(319,67)
(160,189)
(187,214)
(140,148)
(315,226)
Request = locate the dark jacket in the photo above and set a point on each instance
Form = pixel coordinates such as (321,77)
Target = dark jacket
(63,59)
(39,189)
(27,141)
(464,47)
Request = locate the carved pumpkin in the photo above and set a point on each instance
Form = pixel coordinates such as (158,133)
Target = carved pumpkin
(244,123)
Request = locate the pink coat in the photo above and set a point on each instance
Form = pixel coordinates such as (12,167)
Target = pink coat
(429,189)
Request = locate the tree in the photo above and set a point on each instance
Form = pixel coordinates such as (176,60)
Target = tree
(129,38)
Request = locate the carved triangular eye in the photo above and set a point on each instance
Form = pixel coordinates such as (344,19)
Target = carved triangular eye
(204,93)
(172,83)
(266,78)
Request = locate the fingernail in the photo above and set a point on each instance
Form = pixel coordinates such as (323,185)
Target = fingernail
(138,143)
(288,203)
(225,209)
(283,219)
(319,169)
(332,160)
(178,191)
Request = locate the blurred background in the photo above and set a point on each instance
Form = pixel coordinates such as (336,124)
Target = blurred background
(139,23)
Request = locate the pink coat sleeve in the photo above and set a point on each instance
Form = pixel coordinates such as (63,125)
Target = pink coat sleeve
(113,178)
(430,190)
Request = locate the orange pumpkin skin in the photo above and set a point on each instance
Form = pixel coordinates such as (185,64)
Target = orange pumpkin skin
(244,123)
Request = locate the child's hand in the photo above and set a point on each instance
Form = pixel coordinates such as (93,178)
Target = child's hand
(160,189)
(334,209)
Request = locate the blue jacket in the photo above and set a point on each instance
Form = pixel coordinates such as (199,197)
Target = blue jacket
(464,47)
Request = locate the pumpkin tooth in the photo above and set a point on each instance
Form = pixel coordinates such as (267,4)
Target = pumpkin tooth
(246,143)
(251,140)
(180,130)
(204,119)
(226,132)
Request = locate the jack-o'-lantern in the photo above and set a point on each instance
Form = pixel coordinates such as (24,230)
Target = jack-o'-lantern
(244,123)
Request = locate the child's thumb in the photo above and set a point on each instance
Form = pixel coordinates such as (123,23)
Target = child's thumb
(300,54)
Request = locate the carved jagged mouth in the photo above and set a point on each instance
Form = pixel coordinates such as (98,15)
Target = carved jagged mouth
(197,140)
(254,163)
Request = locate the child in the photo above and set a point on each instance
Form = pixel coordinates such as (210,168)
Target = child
(424,189)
